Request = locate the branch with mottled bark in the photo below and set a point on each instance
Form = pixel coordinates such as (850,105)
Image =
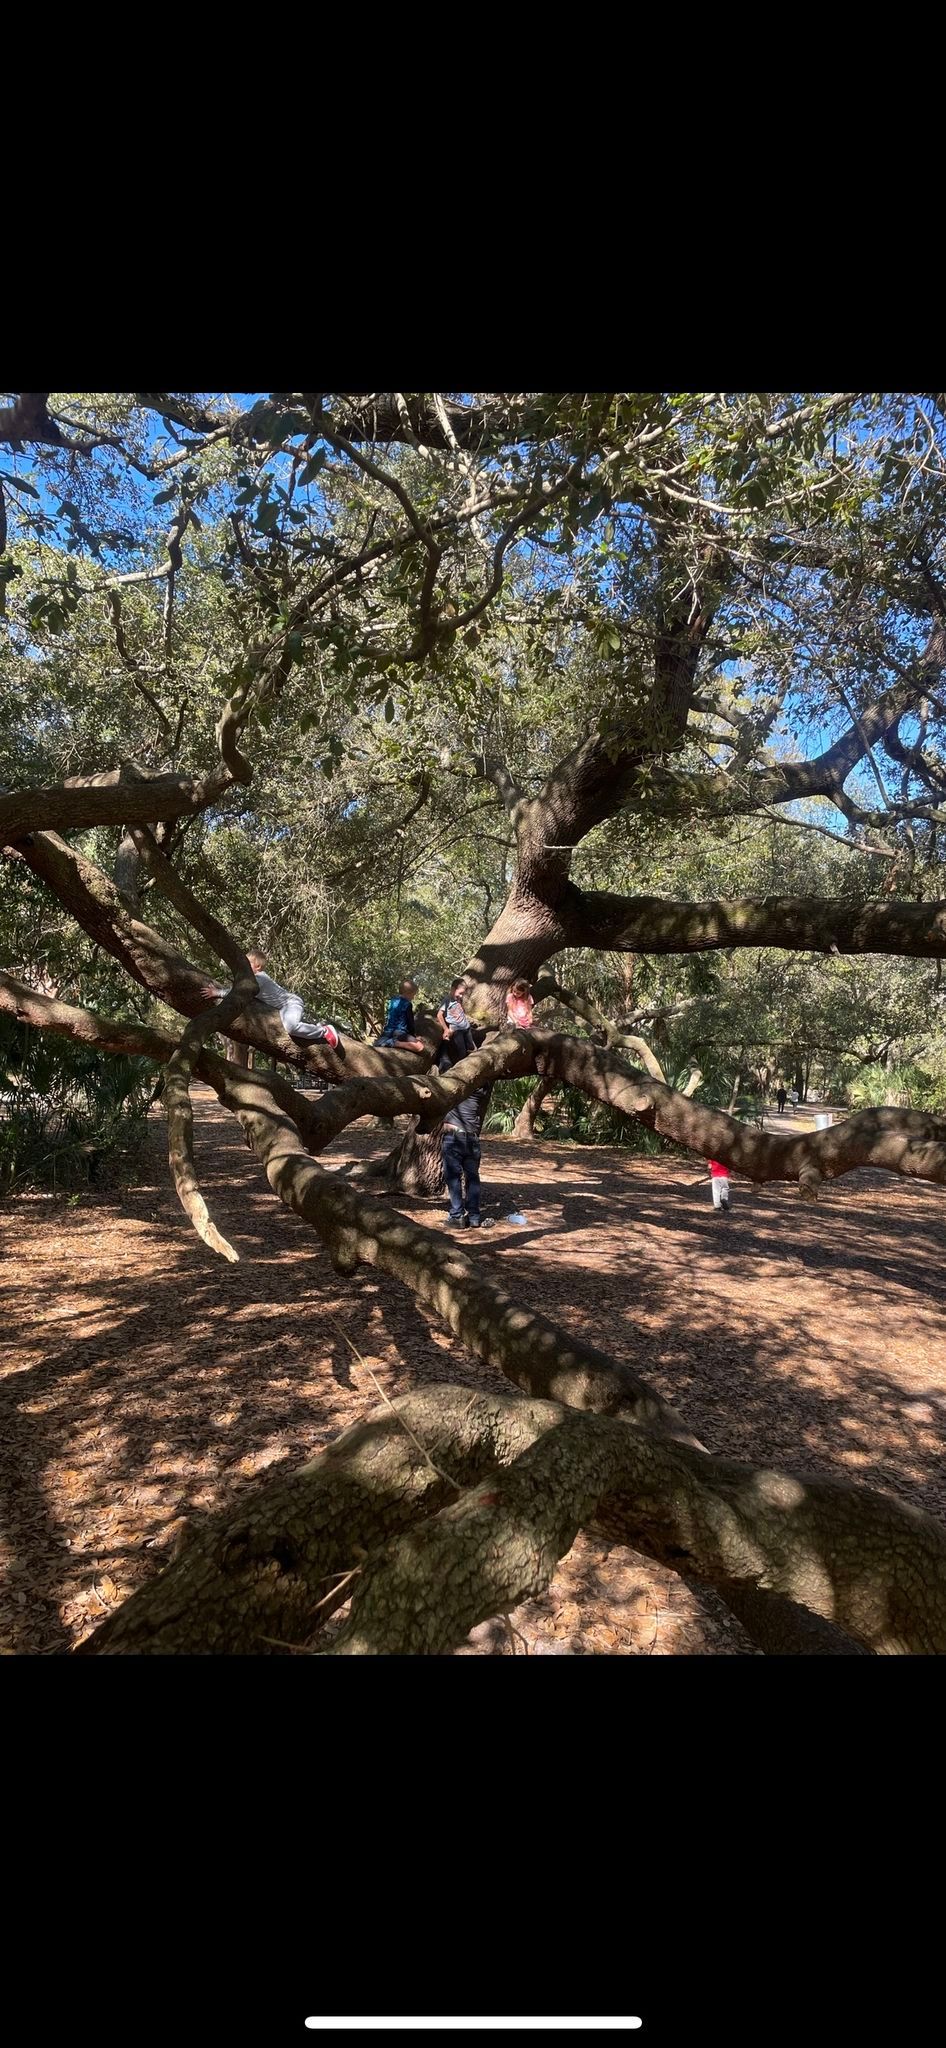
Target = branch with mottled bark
(444,1508)
(823,924)
(548,990)
(128,795)
(278,1568)
(116,796)
(866,1564)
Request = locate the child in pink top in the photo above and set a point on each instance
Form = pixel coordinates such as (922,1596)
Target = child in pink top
(719,1180)
(519,1006)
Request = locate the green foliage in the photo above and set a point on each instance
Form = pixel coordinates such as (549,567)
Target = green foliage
(570,1119)
(906,1085)
(365,846)
(577,1120)
(63,1108)
(506,1101)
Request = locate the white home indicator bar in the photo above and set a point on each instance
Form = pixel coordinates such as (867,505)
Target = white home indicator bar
(613,2025)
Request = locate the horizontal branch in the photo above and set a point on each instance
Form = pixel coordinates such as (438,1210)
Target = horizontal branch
(413,418)
(907,1142)
(815,924)
(117,796)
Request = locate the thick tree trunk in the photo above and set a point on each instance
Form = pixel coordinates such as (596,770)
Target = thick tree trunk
(526,934)
(415,1167)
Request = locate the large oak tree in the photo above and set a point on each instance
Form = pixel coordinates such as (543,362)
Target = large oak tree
(564,624)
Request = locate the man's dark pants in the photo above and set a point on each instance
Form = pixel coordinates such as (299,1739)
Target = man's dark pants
(461,1161)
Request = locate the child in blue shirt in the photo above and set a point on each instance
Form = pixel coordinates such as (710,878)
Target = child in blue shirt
(400,1030)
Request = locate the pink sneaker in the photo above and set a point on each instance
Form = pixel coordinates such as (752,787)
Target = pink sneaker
(332,1039)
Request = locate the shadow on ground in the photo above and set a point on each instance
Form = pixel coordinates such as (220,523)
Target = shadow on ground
(143,1380)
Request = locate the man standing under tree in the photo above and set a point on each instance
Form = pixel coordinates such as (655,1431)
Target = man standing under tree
(461,1162)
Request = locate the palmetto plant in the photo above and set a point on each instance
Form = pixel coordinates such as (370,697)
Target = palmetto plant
(62,1107)
(508,1098)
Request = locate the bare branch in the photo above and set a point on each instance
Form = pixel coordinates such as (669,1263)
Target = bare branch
(179,1070)
(616,1040)
(494,770)
(115,796)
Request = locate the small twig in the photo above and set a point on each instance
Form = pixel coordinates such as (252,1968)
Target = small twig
(512,1633)
(475,1396)
(425,1454)
(343,1577)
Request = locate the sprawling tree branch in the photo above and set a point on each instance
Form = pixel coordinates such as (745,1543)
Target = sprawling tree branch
(824,924)
(116,796)
(871,1565)
(445,1508)
(279,1568)
(907,1142)
(747,1533)
(747,789)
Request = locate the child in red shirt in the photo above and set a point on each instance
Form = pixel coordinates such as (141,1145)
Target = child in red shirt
(719,1180)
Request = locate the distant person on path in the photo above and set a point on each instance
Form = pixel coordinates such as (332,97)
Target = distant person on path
(461,1163)
(781,1098)
(719,1181)
(457,1030)
(272,996)
(793,1099)
(400,1030)
(519,1005)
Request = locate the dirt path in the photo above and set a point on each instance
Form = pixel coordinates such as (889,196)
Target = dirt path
(143,1380)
